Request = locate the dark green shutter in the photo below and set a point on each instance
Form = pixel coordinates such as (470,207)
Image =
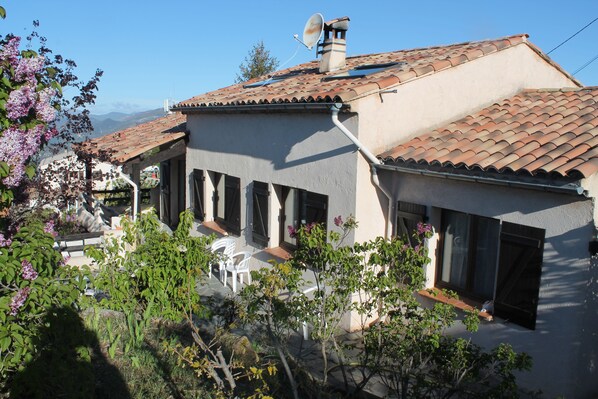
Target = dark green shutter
(519,272)
(260,213)
(198,195)
(232,205)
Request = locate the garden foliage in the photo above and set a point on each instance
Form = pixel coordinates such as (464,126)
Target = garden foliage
(395,339)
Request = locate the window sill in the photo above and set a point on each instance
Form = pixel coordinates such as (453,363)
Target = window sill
(279,252)
(436,295)
(215,227)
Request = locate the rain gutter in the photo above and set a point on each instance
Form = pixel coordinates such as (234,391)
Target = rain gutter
(374,162)
(246,108)
(135,191)
(567,188)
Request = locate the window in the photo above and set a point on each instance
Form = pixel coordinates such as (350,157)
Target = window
(227,202)
(408,216)
(260,213)
(198,194)
(301,207)
(482,259)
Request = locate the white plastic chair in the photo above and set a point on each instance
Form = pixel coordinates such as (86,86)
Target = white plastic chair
(238,268)
(227,245)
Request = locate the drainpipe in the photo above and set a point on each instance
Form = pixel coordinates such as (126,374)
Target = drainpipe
(135,191)
(374,162)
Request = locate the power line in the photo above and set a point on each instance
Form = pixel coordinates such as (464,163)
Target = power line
(586,64)
(572,36)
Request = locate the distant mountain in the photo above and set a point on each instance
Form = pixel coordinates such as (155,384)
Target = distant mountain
(114,121)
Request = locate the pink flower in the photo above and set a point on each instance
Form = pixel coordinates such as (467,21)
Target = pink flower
(50,133)
(18,300)
(292,231)
(338,221)
(65,260)
(4,242)
(27,271)
(49,228)
(423,228)
(16,147)
(27,68)
(20,101)
(43,109)
(10,52)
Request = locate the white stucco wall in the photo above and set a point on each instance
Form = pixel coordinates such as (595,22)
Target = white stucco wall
(563,346)
(304,151)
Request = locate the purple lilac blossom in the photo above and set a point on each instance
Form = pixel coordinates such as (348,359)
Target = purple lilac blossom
(338,221)
(309,227)
(10,52)
(49,227)
(27,270)
(4,242)
(27,68)
(43,108)
(64,261)
(18,300)
(20,101)
(16,147)
(50,133)
(292,231)
(423,228)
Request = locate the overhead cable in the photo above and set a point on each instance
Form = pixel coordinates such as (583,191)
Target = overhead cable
(586,64)
(572,36)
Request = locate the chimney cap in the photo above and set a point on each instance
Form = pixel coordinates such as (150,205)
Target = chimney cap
(338,24)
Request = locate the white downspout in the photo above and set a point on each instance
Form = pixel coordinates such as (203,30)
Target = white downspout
(135,191)
(371,158)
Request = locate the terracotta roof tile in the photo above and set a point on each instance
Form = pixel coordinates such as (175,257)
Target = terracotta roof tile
(304,84)
(587,168)
(124,145)
(527,133)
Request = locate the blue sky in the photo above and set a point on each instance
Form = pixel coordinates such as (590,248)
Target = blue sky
(153,50)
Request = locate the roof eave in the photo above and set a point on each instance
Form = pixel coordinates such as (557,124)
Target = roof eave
(256,108)
(561,186)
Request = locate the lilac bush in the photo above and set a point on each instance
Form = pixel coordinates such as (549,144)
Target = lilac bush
(34,279)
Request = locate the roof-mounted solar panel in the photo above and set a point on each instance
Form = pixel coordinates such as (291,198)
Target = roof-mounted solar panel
(364,70)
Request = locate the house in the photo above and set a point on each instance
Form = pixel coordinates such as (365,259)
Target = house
(461,136)
(160,141)
(510,190)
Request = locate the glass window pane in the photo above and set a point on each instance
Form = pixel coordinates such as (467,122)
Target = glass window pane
(455,248)
(290,215)
(485,258)
(221,196)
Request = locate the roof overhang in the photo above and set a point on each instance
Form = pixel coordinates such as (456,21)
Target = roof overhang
(556,185)
(142,145)
(257,108)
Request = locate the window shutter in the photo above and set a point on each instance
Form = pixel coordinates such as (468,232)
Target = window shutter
(519,272)
(408,216)
(165,192)
(260,213)
(316,208)
(198,195)
(232,207)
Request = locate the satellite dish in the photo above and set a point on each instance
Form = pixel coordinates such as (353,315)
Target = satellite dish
(313,30)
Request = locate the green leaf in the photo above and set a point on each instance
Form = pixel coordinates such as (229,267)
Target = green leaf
(30,171)
(4,169)
(2,13)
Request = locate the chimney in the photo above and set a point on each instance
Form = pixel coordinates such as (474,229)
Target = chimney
(334,48)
